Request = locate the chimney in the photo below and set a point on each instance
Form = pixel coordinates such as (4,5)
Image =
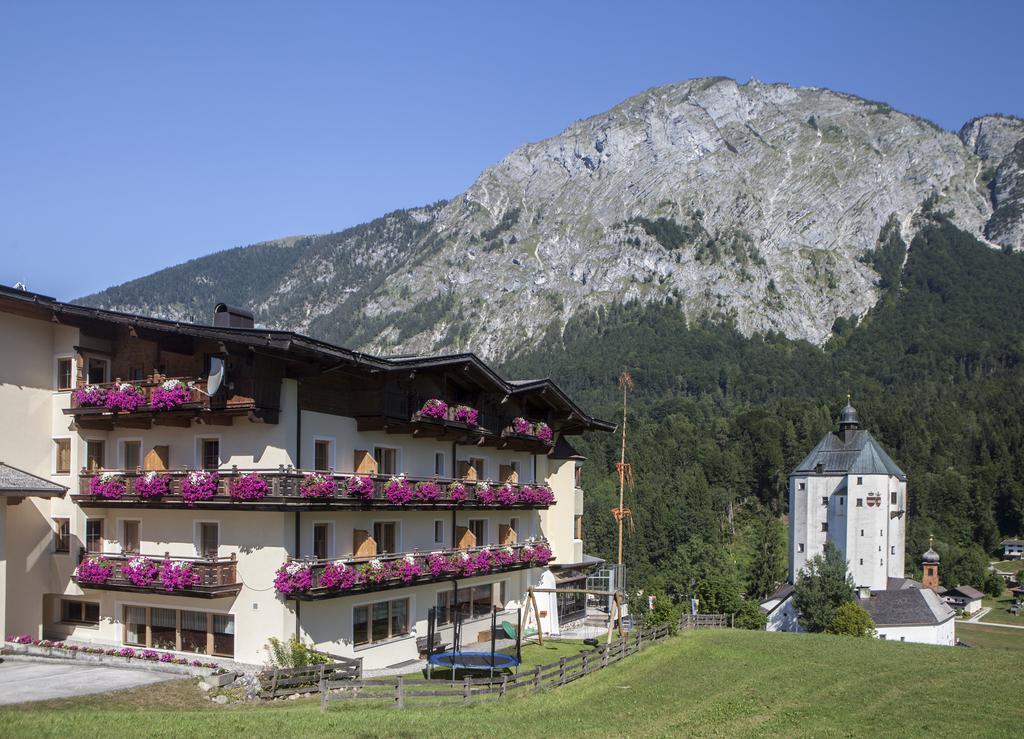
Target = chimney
(228,316)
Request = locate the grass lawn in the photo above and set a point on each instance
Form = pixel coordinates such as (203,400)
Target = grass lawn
(1000,613)
(1010,565)
(991,637)
(723,683)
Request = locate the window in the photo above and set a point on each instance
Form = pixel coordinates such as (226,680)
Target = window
(475,602)
(385,534)
(514,464)
(97,371)
(438,531)
(321,540)
(79,612)
(578,526)
(198,632)
(131,454)
(892,498)
(801,486)
(882,637)
(479,528)
(95,455)
(62,535)
(860,480)
(862,532)
(323,455)
(862,560)
(439,464)
(513,523)
(387,460)
(482,600)
(824,500)
(94,535)
(800,548)
(377,622)
(209,539)
(130,536)
(892,550)
(842,500)
(824,526)
(62,456)
(860,502)
(209,453)
(64,373)
(478,464)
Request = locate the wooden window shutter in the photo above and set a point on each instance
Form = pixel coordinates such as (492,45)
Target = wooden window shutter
(506,473)
(363,544)
(157,458)
(464,538)
(364,463)
(506,535)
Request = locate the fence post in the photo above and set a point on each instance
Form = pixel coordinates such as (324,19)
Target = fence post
(467,690)
(639,639)
(400,693)
(323,694)
(604,655)
(561,670)
(536,679)
(585,668)
(273,685)
(504,686)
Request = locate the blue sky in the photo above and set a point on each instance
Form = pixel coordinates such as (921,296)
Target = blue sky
(134,136)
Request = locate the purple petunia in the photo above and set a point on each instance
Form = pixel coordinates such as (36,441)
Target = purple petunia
(248,487)
(199,485)
(360,486)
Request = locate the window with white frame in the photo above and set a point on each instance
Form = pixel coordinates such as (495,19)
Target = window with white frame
(479,528)
(95,454)
(208,452)
(323,454)
(439,465)
(130,538)
(207,538)
(131,454)
(323,540)
(439,531)
(385,533)
(65,379)
(377,622)
(62,456)
(97,370)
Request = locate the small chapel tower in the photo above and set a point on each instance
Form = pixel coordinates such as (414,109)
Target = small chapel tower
(930,568)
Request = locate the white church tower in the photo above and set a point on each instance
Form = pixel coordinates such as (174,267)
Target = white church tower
(850,492)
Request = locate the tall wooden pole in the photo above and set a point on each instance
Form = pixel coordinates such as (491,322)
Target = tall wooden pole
(626,383)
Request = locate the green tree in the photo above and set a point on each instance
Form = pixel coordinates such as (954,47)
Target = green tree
(849,619)
(821,588)
(750,616)
(767,565)
(994,584)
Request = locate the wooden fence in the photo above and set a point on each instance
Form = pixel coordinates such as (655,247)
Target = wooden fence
(282,682)
(402,690)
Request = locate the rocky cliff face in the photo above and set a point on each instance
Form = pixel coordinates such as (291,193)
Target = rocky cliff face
(759,204)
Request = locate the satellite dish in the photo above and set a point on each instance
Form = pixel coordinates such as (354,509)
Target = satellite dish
(216,378)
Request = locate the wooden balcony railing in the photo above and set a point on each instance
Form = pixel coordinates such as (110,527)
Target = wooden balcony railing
(210,577)
(285,491)
(327,578)
(196,386)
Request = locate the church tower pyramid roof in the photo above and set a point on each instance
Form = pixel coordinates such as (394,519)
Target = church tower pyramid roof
(849,451)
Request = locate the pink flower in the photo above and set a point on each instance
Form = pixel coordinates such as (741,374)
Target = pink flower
(140,571)
(536,495)
(337,576)
(199,485)
(427,491)
(248,487)
(151,485)
(520,425)
(89,396)
(94,570)
(486,494)
(170,395)
(107,485)
(178,576)
(360,486)
(467,415)
(398,491)
(316,485)
(293,577)
(457,492)
(434,408)
(125,397)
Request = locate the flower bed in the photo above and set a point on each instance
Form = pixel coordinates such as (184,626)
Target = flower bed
(152,485)
(108,485)
(467,415)
(434,408)
(539,429)
(49,648)
(169,395)
(315,485)
(248,487)
(199,485)
(125,397)
(295,578)
(360,486)
(95,570)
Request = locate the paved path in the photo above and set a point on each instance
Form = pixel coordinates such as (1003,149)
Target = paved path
(21,682)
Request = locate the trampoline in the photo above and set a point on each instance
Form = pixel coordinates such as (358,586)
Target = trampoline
(474,660)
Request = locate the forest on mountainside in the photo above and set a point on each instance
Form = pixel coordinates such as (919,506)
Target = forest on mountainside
(717,420)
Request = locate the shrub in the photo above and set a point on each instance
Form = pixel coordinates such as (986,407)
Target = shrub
(293,653)
(850,619)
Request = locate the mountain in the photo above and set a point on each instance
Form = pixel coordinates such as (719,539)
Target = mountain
(764,206)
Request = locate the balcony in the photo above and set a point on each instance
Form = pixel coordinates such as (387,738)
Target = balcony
(319,579)
(210,577)
(288,489)
(147,403)
(435,418)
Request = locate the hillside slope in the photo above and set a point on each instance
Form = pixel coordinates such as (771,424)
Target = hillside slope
(754,203)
